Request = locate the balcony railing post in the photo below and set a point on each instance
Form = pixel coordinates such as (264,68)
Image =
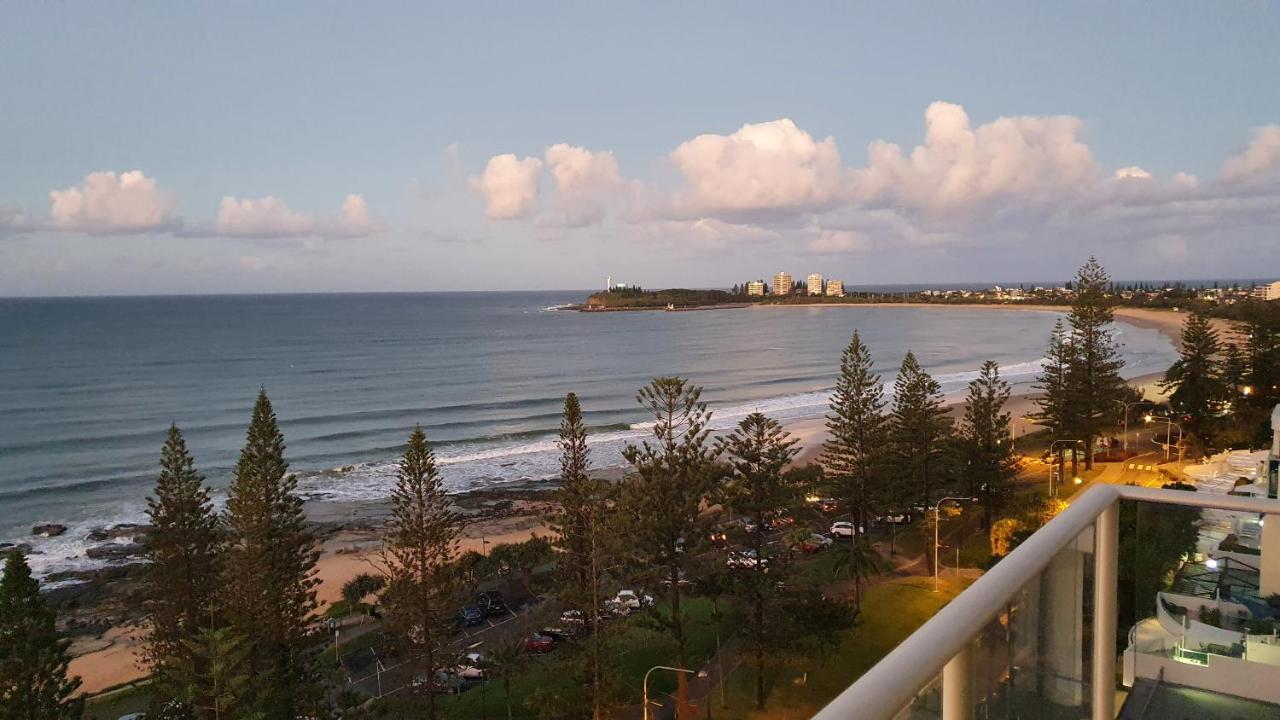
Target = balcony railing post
(1105,559)
(957,686)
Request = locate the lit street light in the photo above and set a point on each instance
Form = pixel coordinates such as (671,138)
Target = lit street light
(646,683)
(1169,426)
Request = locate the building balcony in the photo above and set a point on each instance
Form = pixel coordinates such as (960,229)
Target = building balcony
(1037,636)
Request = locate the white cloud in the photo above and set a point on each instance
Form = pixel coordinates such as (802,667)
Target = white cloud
(585,181)
(1133,172)
(1261,158)
(108,204)
(509,186)
(266,217)
(766,166)
(959,168)
(270,217)
(838,241)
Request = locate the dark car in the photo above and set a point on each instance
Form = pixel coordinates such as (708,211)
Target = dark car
(470,616)
(539,643)
(491,603)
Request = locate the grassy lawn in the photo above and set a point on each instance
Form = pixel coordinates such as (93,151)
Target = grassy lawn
(796,689)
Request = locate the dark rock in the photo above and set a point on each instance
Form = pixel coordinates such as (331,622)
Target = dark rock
(114,551)
(123,530)
(49,530)
(24,548)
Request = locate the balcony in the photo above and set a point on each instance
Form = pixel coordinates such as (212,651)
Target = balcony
(1036,636)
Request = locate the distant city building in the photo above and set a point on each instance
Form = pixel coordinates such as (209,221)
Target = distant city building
(1270,291)
(755,287)
(782,283)
(815,284)
(835,288)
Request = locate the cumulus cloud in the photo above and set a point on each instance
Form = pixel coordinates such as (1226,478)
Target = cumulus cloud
(1133,172)
(270,217)
(109,204)
(266,217)
(958,167)
(838,241)
(585,181)
(765,166)
(509,186)
(1261,158)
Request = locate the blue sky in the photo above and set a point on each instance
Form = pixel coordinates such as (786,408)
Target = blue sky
(327,146)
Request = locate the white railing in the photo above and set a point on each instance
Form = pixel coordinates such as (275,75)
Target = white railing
(945,644)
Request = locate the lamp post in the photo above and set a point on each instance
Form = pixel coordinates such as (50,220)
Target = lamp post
(1169,426)
(937,520)
(1124,439)
(646,683)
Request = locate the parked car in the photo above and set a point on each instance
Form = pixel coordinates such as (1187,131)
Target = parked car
(470,616)
(750,526)
(782,521)
(681,580)
(894,518)
(470,666)
(629,601)
(828,505)
(444,683)
(539,644)
(746,559)
(844,528)
(491,603)
(812,544)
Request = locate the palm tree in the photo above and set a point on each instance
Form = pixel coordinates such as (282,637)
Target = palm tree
(861,563)
(503,663)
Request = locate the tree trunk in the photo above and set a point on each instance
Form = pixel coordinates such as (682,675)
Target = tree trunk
(677,631)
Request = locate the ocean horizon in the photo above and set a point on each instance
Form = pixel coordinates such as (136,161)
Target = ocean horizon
(89,386)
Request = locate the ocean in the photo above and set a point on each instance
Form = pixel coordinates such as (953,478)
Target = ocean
(89,386)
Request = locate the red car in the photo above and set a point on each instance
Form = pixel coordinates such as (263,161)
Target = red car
(538,643)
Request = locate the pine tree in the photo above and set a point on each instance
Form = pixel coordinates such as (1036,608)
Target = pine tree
(758,452)
(856,430)
(33,659)
(1093,377)
(1195,381)
(919,429)
(990,463)
(182,580)
(422,539)
(270,582)
(578,529)
(1054,402)
(214,672)
(663,499)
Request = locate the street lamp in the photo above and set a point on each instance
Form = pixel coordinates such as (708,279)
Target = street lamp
(1169,426)
(646,683)
(936,523)
(1124,439)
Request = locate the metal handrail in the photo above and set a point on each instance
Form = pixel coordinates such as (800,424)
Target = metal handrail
(894,682)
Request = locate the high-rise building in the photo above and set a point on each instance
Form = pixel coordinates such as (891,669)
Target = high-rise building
(815,284)
(835,288)
(1270,291)
(782,283)
(755,287)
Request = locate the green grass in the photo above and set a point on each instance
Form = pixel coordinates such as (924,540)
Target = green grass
(798,688)
(112,705)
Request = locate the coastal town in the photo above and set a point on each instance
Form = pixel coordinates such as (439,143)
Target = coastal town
(1215,297)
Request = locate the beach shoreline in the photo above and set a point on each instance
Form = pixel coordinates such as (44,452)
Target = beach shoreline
(351,531)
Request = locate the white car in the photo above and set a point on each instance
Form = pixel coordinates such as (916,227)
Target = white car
(470,666)
(746,559)
(894,518)
(842,529)
(629,601)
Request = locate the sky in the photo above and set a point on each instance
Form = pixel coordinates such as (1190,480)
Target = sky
(160,148)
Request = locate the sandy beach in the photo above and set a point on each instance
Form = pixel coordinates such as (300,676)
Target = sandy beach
(114,658)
